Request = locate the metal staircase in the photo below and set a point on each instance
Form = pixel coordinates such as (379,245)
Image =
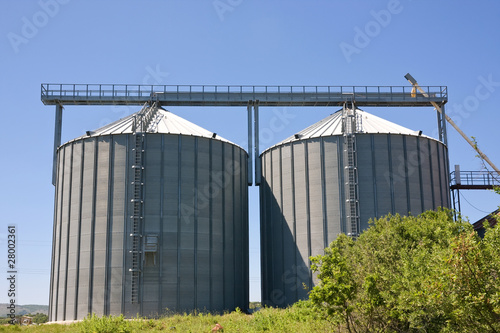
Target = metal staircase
(350,126)
(140,126)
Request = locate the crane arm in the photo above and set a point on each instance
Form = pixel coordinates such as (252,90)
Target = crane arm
(452,123)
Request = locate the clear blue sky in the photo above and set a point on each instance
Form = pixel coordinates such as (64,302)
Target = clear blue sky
(240,42)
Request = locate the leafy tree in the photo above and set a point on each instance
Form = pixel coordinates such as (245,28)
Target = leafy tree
(337,288)
(412,274)
(473,277)
(40,318)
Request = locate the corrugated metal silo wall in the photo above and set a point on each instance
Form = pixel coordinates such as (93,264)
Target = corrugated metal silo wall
(195,203)
(303,202)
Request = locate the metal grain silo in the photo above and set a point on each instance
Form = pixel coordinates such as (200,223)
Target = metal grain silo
(151,213)
(331,178)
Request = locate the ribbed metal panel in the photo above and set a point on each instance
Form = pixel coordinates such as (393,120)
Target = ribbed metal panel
(74,231)
(170,200)
(302,221)
(316,185)
(288,228)
(332,172)
(116,266)
(303,201)
(86,230)
(367,196)
(202,274)
(63,236)
(195,203)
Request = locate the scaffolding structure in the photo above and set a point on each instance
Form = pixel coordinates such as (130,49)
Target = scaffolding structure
(240,95)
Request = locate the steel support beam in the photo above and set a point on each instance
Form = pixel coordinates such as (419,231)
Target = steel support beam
(210,95)
(57,140)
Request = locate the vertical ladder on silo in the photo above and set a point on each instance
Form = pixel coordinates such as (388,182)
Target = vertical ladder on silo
(139,127)
(350,125)
(144,118)
(137,203)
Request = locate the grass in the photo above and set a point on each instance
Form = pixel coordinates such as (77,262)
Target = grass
(298,318)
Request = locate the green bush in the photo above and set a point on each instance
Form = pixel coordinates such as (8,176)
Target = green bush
(40,318)
(412,274)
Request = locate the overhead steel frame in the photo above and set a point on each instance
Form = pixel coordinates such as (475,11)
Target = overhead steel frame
(249,96)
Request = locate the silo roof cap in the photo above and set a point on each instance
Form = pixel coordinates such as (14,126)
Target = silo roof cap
(162,122)
(365,123)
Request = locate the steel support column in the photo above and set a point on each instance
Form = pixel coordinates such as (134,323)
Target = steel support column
(445,141)
(445,135)
(256,138)
(440,125)
(250,144)
(456,203)
(57,140)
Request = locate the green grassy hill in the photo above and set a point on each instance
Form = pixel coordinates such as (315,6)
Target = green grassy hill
(24,309)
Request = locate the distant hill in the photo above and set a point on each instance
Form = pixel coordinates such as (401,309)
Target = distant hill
(24,309)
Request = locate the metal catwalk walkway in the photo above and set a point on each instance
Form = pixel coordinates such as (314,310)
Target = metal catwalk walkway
(474,180)
(471,180)
(214,95)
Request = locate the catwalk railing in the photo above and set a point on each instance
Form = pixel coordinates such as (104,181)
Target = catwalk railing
(474,180)
(228,95)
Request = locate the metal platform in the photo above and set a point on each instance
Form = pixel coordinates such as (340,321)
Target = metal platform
(471,180)
(215,95)
(474,180)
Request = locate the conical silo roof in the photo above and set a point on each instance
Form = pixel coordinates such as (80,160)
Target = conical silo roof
(161,121)
(365,123)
